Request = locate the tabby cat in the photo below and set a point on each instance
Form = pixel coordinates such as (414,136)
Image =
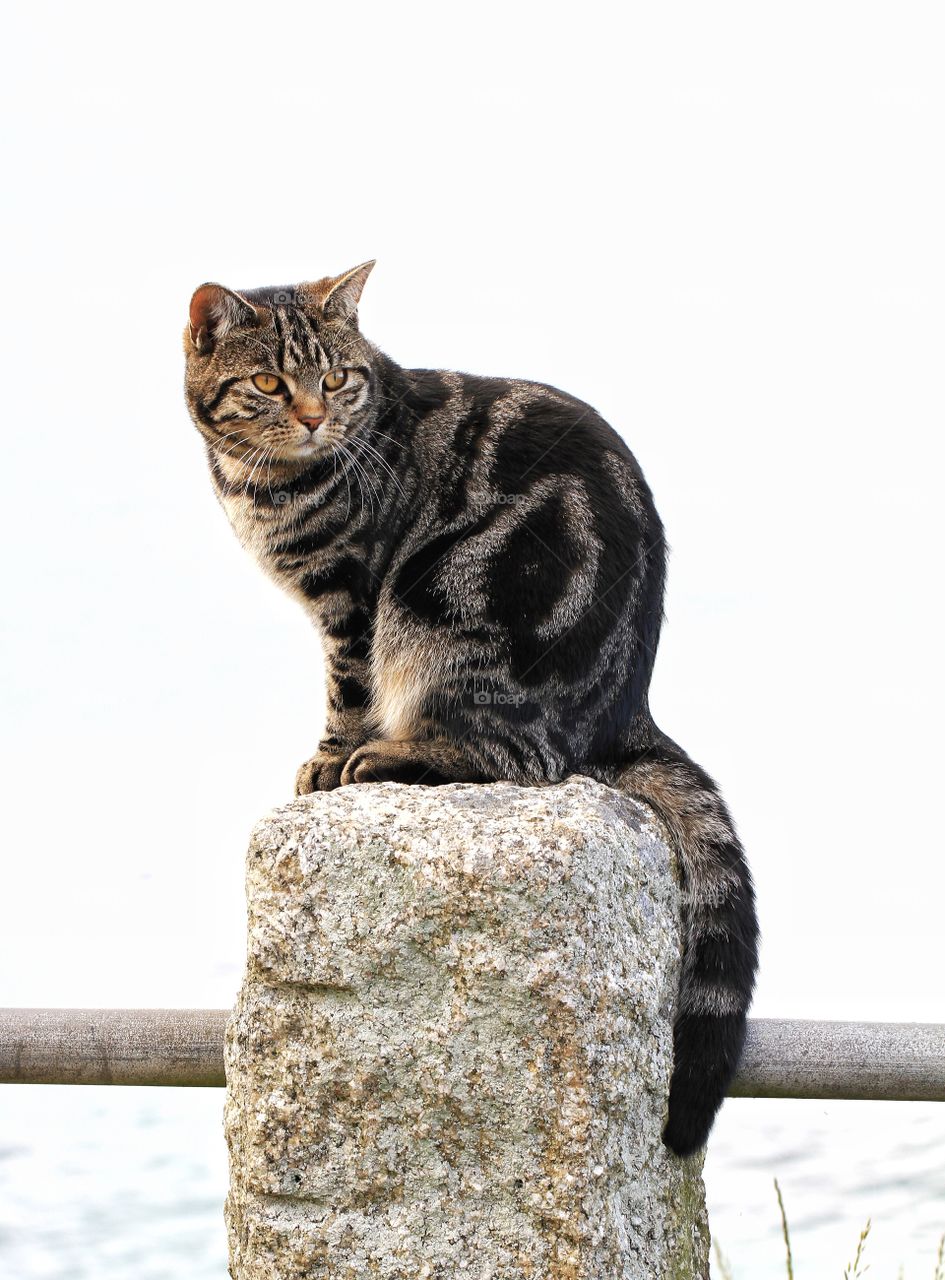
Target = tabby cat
(485,565)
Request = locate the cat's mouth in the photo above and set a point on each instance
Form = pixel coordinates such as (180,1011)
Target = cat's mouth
(317,445)
(321,443)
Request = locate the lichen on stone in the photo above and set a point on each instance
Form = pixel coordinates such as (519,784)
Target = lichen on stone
(451,1052)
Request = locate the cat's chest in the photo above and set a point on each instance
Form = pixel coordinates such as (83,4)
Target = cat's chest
(272,537)
(261,536)
(256,535)
(327,574)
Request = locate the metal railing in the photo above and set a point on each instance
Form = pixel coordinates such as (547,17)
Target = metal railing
(897,1061)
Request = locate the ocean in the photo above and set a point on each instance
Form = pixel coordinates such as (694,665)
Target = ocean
(107,1183)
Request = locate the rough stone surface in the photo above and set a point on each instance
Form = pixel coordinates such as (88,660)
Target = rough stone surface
(451,1053)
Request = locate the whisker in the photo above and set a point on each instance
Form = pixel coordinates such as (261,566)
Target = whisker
(241,480)
(256,466)
(358,473)
(374,432)
(379,458)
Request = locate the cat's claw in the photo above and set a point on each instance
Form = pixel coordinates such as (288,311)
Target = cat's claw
(321,773)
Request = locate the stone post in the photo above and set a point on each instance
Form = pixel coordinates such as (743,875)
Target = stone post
(451,1053)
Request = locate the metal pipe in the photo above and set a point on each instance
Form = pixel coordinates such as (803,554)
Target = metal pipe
(897,1061)
(112,1046)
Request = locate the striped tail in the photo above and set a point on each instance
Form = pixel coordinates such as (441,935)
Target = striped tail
(720,931)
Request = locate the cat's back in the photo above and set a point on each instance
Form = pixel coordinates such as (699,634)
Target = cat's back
(509,441)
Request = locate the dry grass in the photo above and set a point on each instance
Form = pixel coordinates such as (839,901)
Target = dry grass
(853,1271)
(785,1230)
(725,1270)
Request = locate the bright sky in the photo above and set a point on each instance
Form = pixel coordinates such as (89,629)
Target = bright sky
(720,224)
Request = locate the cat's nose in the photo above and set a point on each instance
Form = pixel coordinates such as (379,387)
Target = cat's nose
(312,423)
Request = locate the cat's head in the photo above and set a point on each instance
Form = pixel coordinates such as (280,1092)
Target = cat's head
(279,373)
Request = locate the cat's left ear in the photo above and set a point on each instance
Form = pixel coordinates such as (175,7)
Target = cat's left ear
(338,296)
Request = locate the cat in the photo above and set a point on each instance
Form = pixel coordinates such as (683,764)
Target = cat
(485,565)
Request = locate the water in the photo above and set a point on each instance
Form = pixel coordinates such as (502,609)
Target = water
(838,1163)
(104,1183)
(121,1183)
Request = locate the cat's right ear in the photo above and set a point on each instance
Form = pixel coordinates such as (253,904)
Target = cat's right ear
(214,311)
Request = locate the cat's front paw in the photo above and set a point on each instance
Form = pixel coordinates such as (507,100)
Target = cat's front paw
(381,761)
(321,773)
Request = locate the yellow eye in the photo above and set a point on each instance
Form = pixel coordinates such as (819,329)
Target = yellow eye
(335,380)
(269,383)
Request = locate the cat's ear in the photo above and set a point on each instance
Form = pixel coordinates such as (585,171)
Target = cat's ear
(214,311)
(338,296)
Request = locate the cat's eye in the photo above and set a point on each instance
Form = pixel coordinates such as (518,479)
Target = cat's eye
(335,380)
(269,383)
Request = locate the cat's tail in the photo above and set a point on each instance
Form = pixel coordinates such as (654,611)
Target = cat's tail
(720,935)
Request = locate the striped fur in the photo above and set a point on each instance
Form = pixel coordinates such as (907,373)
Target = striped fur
(485,566)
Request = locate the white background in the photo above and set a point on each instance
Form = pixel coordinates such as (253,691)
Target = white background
(721,224)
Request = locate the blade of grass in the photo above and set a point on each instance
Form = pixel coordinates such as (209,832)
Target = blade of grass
(787,1233)
(853,1272)
(725,1270)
